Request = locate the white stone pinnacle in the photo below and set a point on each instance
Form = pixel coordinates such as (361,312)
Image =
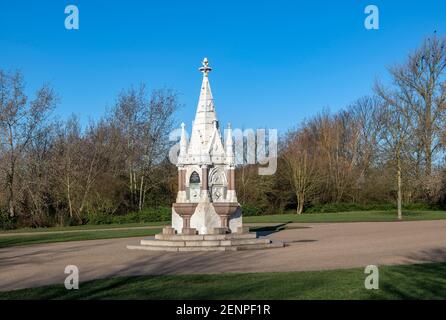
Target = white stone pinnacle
(206,142)
(183,145)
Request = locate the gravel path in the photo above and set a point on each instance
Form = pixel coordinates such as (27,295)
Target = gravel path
(310,247)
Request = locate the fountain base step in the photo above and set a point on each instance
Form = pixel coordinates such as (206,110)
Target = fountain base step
(214,242)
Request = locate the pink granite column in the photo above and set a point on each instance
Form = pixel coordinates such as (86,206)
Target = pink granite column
(181,179)
(231,179)
(204,177)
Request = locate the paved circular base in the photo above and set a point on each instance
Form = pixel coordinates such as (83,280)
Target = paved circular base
(217,242)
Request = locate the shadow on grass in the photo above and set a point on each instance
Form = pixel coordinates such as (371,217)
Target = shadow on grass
(422,281)
(425,280)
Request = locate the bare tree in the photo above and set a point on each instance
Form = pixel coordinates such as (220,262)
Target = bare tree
(300,157)
(145,123)
(67,163)
(364,114)
(80,160)
(421,86)
(35,177)
(395,135)
(19,121)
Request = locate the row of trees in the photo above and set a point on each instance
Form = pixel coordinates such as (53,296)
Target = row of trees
(383,147)
(55,172)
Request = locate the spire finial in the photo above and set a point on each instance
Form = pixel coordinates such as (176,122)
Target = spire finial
(205,69)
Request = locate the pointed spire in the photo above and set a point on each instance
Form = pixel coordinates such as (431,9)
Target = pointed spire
(203,128)
(229,145)
(205,68)
(206,101)
(183,144)
(229,136)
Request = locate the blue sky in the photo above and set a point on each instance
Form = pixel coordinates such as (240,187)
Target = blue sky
(275,62)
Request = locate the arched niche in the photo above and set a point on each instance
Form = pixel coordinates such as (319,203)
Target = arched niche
(194,186)
(194,178)
(218,184)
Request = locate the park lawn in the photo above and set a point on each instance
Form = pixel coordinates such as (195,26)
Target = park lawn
(420,281)
(353,216)
(18,240)
(88,227)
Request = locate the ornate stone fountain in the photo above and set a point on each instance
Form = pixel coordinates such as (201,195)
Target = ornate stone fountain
(206,214)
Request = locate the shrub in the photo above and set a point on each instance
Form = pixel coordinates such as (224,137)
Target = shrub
(249,210)
(345,207)
(99,218)
(147,215)
(6,222)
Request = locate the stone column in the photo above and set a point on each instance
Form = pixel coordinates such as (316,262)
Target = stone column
(204,184)
(231,178)
(186,221)
(181,197)
(181,180)
(231,196)
(224,220)
(204,177)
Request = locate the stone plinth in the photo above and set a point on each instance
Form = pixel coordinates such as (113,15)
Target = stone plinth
(189,231)
(169,230)
(242,229)
(220,231)
(217,242)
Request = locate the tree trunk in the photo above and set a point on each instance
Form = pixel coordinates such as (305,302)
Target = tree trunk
(11,196)
(428,163)
(11,208)
(135,184)
(11,174)
(70,204)
(429,133)
(300,202)
(132,198)
(140,194)
(400,215)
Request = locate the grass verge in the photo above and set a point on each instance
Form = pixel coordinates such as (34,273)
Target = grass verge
(420,281)
(87,227)
(353,216)
(8,241)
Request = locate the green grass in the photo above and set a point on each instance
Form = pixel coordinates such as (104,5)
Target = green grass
(353,216)
(87,227)
(422,281)
(7,241)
